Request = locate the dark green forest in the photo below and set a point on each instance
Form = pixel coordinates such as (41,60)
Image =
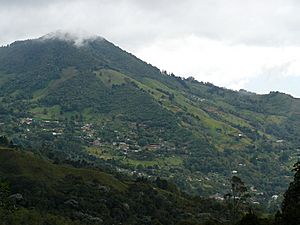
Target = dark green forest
(34,190)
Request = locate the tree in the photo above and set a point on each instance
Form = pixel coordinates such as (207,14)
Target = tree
(236,197)
(4,141)
(291,203)
(171,97)
(161,183)
(4,194)
(249,219)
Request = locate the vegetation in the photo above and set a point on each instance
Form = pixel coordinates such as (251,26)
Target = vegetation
(37,191)
(99,106)
(236,197)
(41,192)
(291,204)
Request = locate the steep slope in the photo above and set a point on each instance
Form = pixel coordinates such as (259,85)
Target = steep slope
(98,103)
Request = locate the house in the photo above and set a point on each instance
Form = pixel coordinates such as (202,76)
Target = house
(96,143)
(153,147)
(123,146)
(252,188)
(275,197)
(217,196)
(27,121)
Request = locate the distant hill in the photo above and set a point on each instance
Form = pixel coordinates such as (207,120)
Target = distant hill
(97,103)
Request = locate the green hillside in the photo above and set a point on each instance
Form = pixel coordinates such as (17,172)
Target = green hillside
(98,104)
(61,194)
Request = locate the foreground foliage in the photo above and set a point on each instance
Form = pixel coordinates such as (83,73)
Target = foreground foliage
(36,191)
(39,192)
(291,205)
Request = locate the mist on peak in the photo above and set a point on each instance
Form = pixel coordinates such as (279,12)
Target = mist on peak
(79,38)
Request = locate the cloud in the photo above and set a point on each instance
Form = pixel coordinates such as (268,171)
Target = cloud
(78,37)
(228,42)
(131,22)
(220,62)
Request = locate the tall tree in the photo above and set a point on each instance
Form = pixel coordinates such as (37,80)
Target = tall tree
(4,193)
(236,196)
(4,141)
(291,203)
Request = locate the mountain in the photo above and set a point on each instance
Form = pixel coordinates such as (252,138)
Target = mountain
(95,103)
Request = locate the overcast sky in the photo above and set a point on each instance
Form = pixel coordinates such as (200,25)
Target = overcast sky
(250,44)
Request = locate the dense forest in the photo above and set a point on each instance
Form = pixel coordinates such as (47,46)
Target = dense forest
(37,191)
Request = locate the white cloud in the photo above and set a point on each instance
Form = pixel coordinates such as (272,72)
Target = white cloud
(228,42)
(78,37)
(221,62)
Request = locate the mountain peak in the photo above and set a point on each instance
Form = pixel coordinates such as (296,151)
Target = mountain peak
(79,38)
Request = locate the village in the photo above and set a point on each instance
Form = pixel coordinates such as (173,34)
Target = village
(91,135)
(107,143)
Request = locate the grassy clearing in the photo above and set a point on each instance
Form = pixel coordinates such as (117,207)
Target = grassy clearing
(46,112)
(111,77)
(106,155)
(100,153)
(66,74)
(167,161)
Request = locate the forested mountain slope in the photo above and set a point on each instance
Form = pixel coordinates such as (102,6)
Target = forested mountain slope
(96,103)
(36,191)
